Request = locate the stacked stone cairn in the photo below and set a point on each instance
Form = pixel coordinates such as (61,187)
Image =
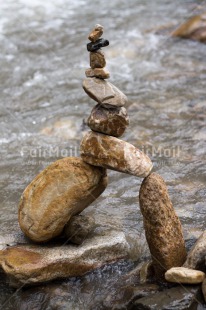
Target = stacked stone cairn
(69,185)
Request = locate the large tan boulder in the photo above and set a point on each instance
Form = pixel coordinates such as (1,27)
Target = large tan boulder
(162,226)
(63,189)
(110,152)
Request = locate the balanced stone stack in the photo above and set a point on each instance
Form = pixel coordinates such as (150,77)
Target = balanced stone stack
(108,119)
(69,185)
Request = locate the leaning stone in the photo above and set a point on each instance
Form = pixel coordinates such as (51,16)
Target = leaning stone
(96,33)
(101,73)
(204,289)
(63,189)
(112,122)
(78,228)
(112,153)
(184,275)
(162,226)
(97,59)
(176,298)
(104,92)
(33,264)
(196,256)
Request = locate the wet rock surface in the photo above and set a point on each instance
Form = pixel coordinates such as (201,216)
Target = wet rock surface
(176,298)
(31,264)
(104,92)
(112,153)
(78,228)
(112,122)
(184,275)
(162,226)
(196,256)
(63,189)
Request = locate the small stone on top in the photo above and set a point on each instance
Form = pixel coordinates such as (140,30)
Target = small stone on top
(96,33)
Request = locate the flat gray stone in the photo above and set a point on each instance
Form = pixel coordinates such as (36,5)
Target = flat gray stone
(31,264)
(104,92)
(176,298)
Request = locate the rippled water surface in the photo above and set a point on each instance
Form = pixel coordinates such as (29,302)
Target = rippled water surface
(43,110)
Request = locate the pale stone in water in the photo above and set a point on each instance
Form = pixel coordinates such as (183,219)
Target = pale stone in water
(78,228)
(101,73)
(109,152)
(196,256)
(96,33)
(60,191)
(104,92)
(97,59)
(162,226)
(184,275)
(32,264)
(111,122)
(194,28)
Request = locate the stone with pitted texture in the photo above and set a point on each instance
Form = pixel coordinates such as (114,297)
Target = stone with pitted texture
(104,92)
(111,122)
(109,152)
(196,256)
(162,226)
(96,33)
(97,59)
(101,73)
(184,275)
(60,191)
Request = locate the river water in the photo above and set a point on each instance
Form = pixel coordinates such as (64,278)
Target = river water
(43,111)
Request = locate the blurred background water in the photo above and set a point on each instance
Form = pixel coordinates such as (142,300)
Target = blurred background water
(43,110)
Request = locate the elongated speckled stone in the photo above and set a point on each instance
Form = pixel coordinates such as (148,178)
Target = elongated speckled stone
(109,152)
(162,226)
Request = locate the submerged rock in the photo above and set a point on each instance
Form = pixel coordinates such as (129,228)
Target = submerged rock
(63,189)
(162,226)
(104,92)
(184,275)
(111,122)
(196,256)
(112,153)
(78,228)
(32,264)
(194,28)
(176,298)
